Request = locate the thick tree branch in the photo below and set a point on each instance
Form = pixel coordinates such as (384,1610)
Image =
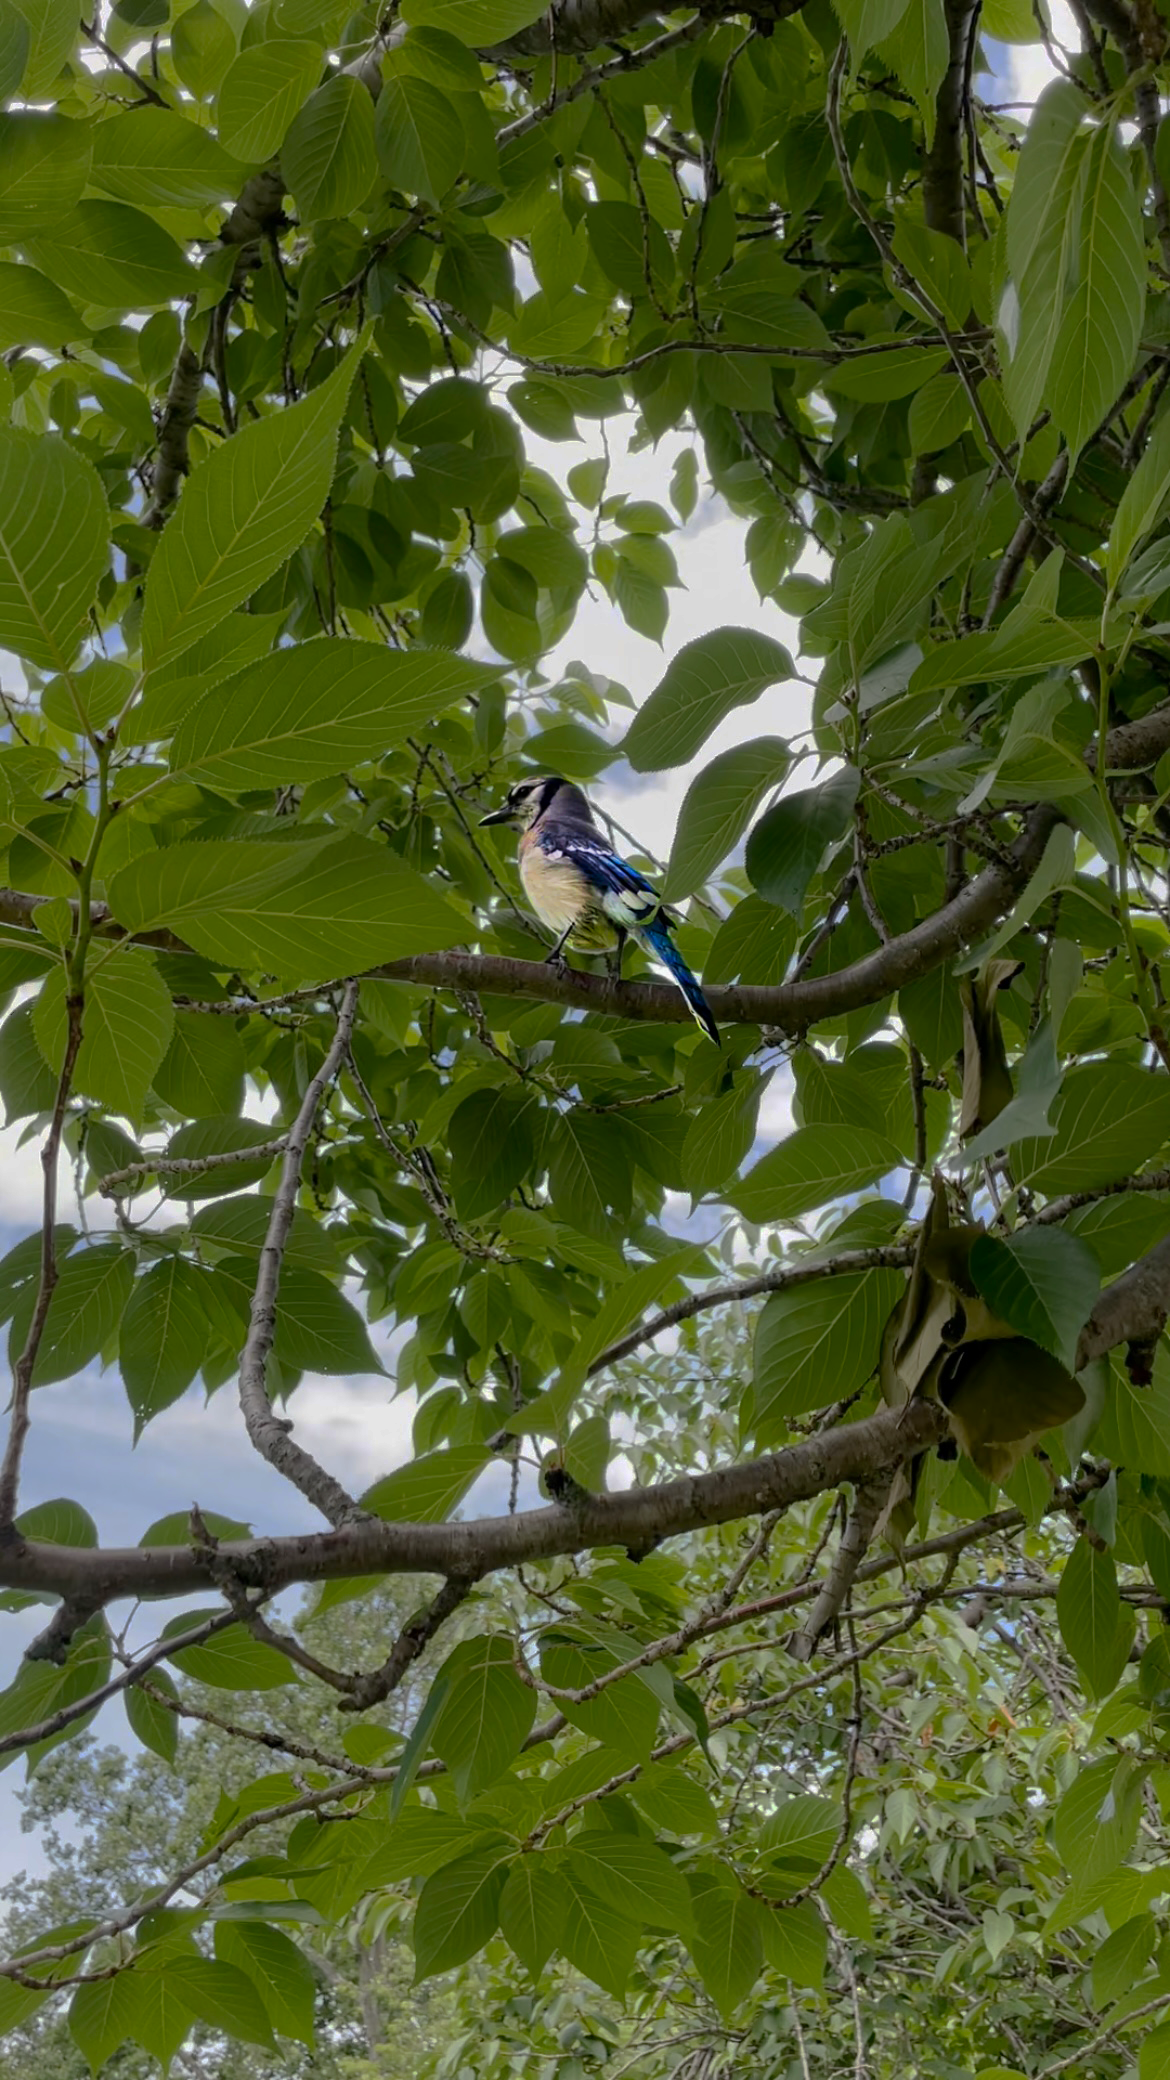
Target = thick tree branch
(1132,1310)
(268,1432)
(789,1007)
(942,169)
(467,1551)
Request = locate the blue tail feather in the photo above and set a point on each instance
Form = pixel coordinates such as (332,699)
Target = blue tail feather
(657,940)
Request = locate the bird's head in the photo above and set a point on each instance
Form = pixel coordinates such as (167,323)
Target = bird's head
(527,800)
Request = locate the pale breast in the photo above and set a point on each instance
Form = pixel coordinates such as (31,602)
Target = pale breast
(556,889)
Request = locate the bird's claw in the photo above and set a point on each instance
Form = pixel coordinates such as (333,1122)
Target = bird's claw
(556,961)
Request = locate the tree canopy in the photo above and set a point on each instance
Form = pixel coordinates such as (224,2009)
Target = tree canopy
(810,1718)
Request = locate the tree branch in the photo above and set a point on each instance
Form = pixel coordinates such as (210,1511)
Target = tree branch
(469,1550)
(22,1374)
(417,1633)
(268,1432)
(942,167)
(892,1256)
(789,1007)
(868,1504)
(1132,1310)
(80,1707)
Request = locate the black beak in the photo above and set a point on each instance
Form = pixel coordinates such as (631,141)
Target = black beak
(503,815)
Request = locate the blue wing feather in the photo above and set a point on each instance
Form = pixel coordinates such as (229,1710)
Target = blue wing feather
(602,868)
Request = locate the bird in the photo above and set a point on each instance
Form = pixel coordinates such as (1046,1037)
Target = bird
(584,891)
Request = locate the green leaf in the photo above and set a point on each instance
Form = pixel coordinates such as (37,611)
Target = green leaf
(753,944)
(107,254)
(786,846)
(54,545)
(307,713)
(317,1328)
(1154,2055)
(795,1942)
(1095,1626)
(459,1910)
(53,27)
(817,1343)
(418,1841)
(1110,1118)
(1122,1959)
(532,1911)
(810,1167)
(1099,333)
(61,1523)
(801,1832)
(726,1945)
(15,43)
(34,312)
(919,50)
(155,1727)
(44,166)
(155,156)
(1043,222)
(703,683)
(596,1936)
(202,1070)
(624,1716)
(1142,501)
(300,912)
(588,1171)
(673,1801)
(127,1023)
(281,1975)
(85,1309)
(487,1716)
(426,1490)
(26,1080)
(419,138)
(1042,1282)
(719,1136)
(262,90)
(243,512)
(492,1139)
(477,22)
(203,45)
(229,1660)
(719,804)
(635,1877)
(1096,1823)
(102,2016)
(164,1337)
(221,1996)
(241,1226)
(939,413)
(328,157)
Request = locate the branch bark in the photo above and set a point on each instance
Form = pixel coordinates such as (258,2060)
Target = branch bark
(467,1551)
(868,1504)
(25,1366)
(789,1007)
(942,169)
(1132,1310)
(268,1432)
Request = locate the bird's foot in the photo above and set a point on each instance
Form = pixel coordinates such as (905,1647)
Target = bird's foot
(556,961)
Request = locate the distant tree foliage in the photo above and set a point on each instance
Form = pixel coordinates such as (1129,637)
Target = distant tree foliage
(831,1742)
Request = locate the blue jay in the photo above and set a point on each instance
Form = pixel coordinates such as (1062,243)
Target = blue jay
(584,890)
